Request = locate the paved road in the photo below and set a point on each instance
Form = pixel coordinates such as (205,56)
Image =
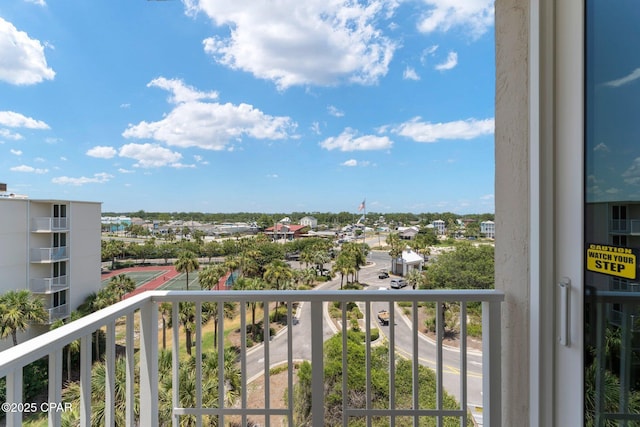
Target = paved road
(403,339)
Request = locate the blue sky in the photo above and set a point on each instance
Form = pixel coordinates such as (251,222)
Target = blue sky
(256,106)
(613,100)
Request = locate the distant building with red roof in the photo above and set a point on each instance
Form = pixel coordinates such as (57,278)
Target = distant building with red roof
(286,231)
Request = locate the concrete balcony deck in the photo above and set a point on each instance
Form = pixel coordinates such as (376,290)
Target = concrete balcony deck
(309,327)
(49,224)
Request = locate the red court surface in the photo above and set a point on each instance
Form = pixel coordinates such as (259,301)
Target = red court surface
(170,273)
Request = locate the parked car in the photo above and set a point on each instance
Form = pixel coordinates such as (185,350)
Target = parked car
(383,275)
(398,283)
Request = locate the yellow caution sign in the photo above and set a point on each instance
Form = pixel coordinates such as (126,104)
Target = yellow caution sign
(611,260)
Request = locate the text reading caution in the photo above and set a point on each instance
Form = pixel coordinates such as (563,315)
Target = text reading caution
(611,260)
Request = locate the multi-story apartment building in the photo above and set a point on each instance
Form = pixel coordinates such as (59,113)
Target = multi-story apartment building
(51,247)
(488,229)
(440,226)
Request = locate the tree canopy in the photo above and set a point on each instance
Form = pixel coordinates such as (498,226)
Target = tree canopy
(467,267)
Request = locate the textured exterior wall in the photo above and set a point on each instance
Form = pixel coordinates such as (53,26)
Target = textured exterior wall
(512,203)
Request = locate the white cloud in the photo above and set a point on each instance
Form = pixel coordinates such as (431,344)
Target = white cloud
(473,16)
(632,174)
(354,163)
(7,134)
(22,60)
(410,74)
(315,128)
(432,132)
(450,63)
(208,125)
(601,147)
(16,120)
(16,152)
(292,42)
(38,2)
(349,141)
(122,170)
(334,111)
(150,155)
(631,77)
(28,169)
(181,92)
(98,178)
(102,152)
(273,176)
(200,160)
(430,51)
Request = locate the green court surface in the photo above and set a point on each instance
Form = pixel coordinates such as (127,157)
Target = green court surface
(140,277)
(179,282)
(175,284)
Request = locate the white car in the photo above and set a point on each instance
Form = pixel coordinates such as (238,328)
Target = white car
(398,283)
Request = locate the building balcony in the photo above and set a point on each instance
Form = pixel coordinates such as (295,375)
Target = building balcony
(134,327)
(59,312)
(49,285)
(48,255)
(49,224)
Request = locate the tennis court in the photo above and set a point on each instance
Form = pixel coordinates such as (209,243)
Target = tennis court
(179,283)
(163,279)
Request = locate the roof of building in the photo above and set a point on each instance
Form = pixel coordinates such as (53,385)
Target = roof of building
(409,256)
(287,228)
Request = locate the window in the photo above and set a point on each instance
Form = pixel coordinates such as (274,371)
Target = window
(59,299)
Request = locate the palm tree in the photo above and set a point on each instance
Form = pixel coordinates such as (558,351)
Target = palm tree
(341,266)
(211,312)
(121,285)
(211,275)
(186,263)
(252,284)
(71,394)
(104,298)
(276,274)
(415,278)
(74,347)
(165,312)
(187,316)
(18,309)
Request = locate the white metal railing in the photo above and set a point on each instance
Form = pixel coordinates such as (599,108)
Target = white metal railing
(635,226)
(49,224)
(49,254)
(311,316)
(48,285)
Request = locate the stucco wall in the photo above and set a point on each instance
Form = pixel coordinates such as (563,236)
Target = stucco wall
(512,203)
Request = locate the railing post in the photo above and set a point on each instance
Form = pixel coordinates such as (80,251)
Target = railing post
(149,364)
(130,379)
(14,395)
(491,368)
(317,367)
(85,381)
(55,385)
(110,380)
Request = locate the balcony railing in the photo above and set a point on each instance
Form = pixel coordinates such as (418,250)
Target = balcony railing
(49,285)
(48,224)
(49,254)
(59,312)
(308,328)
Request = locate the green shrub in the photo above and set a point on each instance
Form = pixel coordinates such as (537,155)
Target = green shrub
(474,330)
